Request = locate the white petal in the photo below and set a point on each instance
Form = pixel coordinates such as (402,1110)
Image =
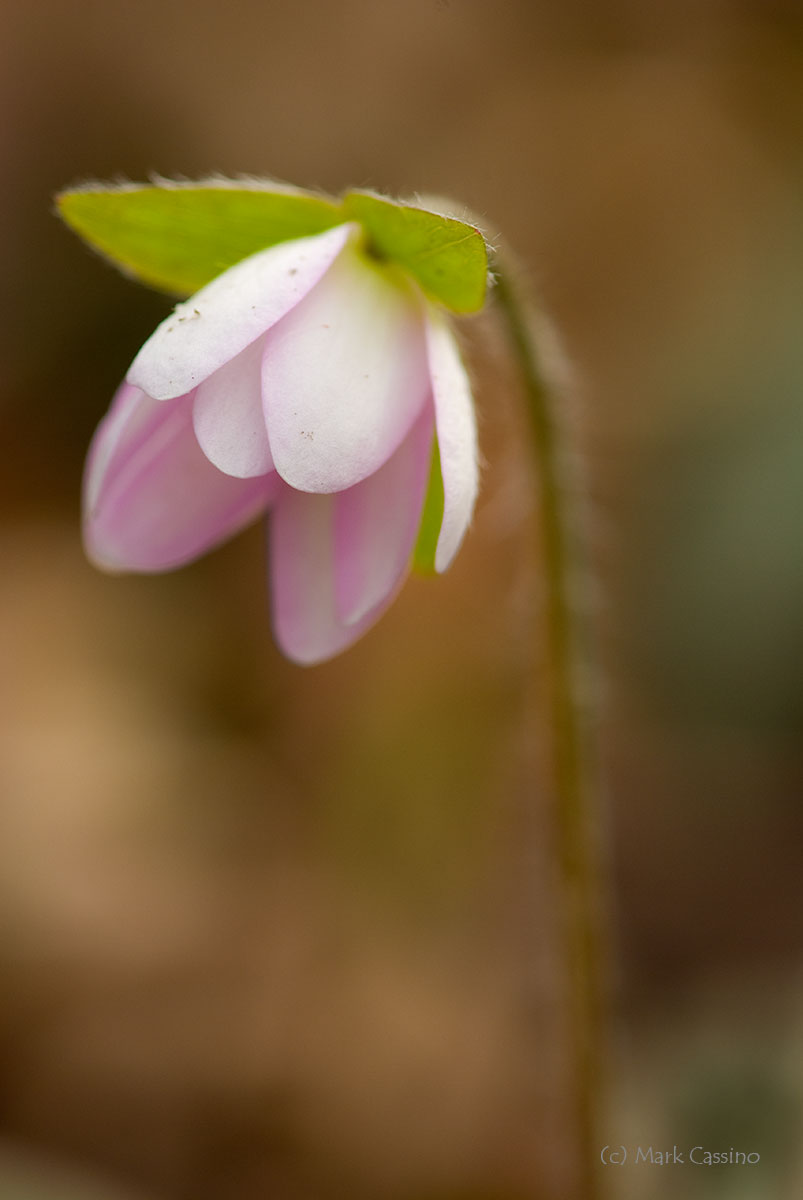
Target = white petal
(224,317)
(228,417)
(457,436)
(152,500)
(302,557)
(376,524)
(344,376)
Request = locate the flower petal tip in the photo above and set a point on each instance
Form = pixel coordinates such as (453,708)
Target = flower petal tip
(218,322)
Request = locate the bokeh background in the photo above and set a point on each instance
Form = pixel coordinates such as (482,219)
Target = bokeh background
(271,932)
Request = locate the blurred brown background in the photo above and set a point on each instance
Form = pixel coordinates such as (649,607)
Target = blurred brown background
(271,932)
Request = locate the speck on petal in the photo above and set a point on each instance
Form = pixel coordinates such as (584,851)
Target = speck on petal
(376,524)
(228,417)
(232,311)
(457,435)
(152,500)
(302,568)
(344,376)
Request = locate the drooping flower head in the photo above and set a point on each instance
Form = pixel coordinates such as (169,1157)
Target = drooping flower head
(316,380)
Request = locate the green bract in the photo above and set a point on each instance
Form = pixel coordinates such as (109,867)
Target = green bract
(179,236)
(447,257)
(431,519)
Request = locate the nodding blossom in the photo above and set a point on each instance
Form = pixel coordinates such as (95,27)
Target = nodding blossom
(307,382)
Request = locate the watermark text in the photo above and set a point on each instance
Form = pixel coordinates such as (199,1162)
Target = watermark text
(672,1156)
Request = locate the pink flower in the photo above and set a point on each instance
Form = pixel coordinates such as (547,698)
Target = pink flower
(307,381)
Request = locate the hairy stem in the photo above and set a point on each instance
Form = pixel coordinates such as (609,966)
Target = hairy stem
(576,813)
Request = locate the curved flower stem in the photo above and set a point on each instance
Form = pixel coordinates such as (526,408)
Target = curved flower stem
(576,812)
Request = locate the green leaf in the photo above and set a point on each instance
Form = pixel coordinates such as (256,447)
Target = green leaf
(431,518)
(177,236)
(447,257)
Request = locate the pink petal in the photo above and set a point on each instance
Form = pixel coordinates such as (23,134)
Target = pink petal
(152,500)
(457,435)
(224,317)
(228,418)
(302,566)
(344,376)
(376,525)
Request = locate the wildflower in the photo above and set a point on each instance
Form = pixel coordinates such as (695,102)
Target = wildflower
(308,381)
